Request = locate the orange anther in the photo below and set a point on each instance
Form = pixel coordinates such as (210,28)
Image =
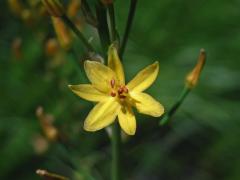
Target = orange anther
(112,83)
(113,94)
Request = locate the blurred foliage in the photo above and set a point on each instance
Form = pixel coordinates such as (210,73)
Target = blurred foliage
(202,141)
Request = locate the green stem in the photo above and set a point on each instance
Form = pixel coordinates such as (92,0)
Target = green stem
(78,33)
(102,26)
(131,14)
(116,152)
(175,106)
(110,8)
(116,131)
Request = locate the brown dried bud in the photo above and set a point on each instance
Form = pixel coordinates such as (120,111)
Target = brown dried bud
(193,77)
(54,7)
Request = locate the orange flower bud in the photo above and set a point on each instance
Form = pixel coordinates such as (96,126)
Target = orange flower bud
(40,144)
(73,8)
(46,120)
(51,47)
(15,6)
(17,48)
(193,77)
(63,34)
(54,7)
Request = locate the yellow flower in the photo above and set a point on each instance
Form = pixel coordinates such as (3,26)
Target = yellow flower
(115,99)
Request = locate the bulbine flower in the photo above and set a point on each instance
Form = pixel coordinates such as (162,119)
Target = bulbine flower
(115,99)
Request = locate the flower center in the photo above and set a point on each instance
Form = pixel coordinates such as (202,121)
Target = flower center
(119,91)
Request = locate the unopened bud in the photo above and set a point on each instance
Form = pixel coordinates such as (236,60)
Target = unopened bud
(63,34)
(73,8)
(51,47)
(193,77)
(46,120)
(15,6)
(27,16)
(54,7)
(17,48)
(107,2)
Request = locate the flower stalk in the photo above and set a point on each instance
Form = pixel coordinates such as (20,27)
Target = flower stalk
(131,15)
(164,120)
(111,13)
(190,82)
(116,152)
(102,26)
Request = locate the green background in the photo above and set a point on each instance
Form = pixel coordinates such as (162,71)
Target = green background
(202,141)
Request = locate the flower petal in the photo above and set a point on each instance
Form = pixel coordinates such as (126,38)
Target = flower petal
(146,104)
(127,120)
(144,78)
(99,75)
(102,115)
(88,92)
(115,64)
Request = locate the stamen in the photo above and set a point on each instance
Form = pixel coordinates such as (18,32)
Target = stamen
(112,83)
(120,90)
(113,94)
(125,89)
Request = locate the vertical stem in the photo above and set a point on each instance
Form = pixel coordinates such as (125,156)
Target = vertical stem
(112,22)
(116,131)
(102,26)
(131,14)
(116,152)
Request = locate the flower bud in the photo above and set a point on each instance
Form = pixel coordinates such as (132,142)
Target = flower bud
(193,76)
(63,34)
(107,2)
(54,7)
(17,48)
(51,47)
(73,8)
(50,131)
(15,6)
(27,17)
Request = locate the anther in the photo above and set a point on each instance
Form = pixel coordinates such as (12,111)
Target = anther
(120,90)
(112,83)
(113,94)
(125,89)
